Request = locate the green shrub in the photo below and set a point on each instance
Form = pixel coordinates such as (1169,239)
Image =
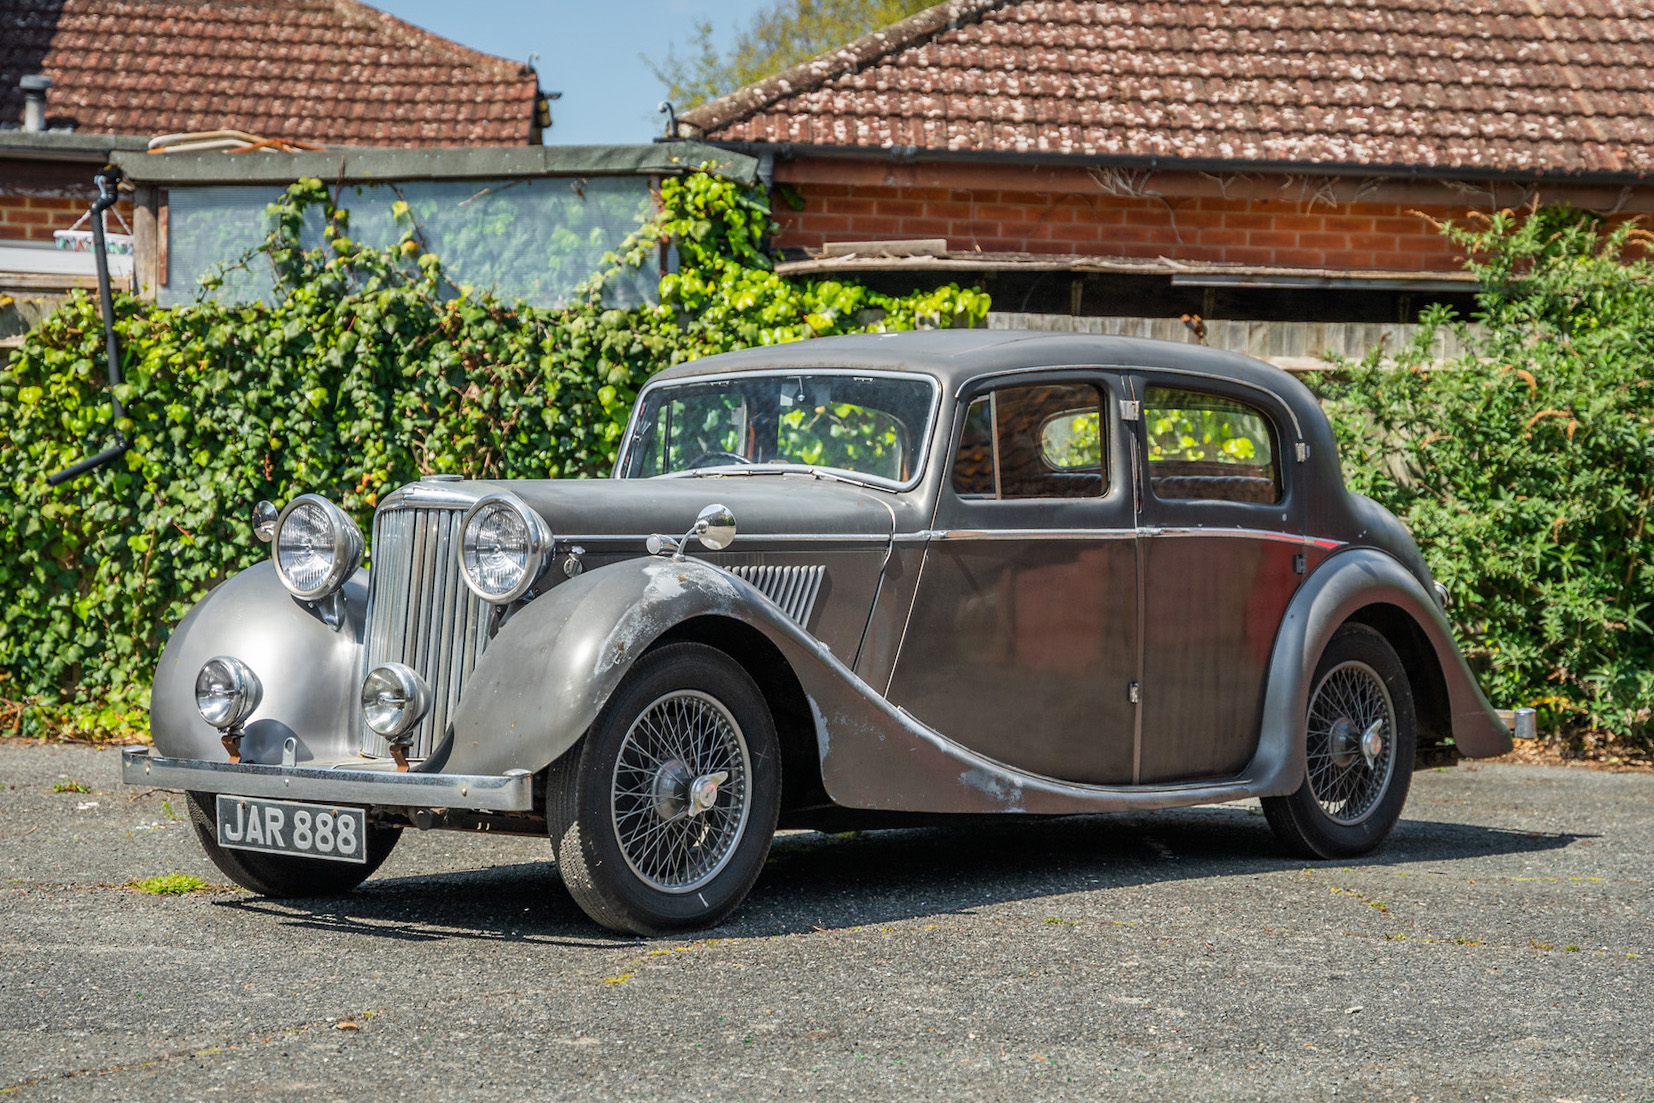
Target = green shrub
(1525,468)
(370,370)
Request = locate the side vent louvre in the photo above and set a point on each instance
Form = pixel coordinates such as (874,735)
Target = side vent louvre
(792,588)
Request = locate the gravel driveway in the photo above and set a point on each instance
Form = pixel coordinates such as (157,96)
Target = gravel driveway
(1500,947)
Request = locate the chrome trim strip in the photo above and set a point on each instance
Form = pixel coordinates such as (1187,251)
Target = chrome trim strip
(430,496)
(744,538)
(921,457)
(985,534)
(1245,534)
(1034,534)
(510,792)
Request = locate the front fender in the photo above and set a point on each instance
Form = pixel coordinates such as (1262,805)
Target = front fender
(1345,583)
(550,669)
(308,670)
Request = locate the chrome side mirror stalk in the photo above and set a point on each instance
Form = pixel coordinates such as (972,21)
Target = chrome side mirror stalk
(714,527)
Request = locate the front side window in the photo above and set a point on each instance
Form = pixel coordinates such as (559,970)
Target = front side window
(868,426)
(1039,441)
(1207,447)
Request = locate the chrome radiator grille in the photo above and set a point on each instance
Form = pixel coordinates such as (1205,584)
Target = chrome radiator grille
(421,613)
(793,588)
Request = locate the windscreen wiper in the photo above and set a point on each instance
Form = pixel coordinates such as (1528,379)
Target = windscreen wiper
(107,179)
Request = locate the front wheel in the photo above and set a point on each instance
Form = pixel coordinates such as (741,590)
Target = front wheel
(1359,744)
(287,875)
(662,817)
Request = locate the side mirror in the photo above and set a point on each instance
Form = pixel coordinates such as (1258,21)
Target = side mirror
(715,527)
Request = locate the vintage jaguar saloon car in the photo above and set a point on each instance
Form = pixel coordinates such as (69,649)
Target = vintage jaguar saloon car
(976,572)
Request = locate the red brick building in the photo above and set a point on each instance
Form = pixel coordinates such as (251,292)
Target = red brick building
(1237,159)
(325,72)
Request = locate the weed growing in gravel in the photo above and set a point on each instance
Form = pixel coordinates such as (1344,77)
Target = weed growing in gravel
(70,785)
(170,884)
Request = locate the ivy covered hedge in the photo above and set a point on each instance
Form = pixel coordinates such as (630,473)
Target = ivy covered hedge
(367,370)
(1525,468)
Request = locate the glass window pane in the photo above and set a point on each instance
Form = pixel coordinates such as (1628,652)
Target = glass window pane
(1039,441)
(867,426)
(973,467)
(1206,447)
(532,238)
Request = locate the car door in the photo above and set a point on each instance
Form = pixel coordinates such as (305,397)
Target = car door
(1022,639)
(1221,558)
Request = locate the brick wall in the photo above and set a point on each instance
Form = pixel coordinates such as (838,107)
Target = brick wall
(1193,228)
(34,217)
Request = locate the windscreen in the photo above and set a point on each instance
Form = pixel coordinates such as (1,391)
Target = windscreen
(867,426)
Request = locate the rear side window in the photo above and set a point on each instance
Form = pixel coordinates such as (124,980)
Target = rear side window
(1040,441)
(1208,447)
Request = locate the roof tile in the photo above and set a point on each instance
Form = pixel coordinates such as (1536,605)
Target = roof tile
(165,66)
(1488,84)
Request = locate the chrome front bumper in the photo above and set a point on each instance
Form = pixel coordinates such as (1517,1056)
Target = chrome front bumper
(512,791)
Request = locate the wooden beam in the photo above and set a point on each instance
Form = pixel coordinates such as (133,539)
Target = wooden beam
(146,241)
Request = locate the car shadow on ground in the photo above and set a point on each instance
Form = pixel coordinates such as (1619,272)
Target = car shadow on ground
(816,882)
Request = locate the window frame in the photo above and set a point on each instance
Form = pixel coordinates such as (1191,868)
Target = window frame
(1112,384)
(1283,422)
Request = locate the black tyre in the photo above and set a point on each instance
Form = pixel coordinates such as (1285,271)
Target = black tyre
(1359,744)
(283,875)
(662,816)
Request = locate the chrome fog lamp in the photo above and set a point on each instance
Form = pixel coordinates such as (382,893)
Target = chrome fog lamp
(394,700)
(503,547)
(227,691)
(317,547)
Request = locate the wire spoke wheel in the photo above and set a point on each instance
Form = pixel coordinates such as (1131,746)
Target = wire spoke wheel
(1351,744)
(681,792)
(1359,739)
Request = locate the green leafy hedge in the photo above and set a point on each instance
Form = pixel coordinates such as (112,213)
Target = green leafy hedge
(370,370)
(1525,468)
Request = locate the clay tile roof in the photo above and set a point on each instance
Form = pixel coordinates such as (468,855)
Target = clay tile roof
(329,71)
(1541,86)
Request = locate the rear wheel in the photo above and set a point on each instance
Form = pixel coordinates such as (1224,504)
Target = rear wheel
(662,816)
(286,875)
(1359,744)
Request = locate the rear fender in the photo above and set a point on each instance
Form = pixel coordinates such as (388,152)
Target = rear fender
(1344,584)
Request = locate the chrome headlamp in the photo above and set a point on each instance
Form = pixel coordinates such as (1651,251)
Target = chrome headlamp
(503,547)
(317,547)
(227,691)
(394,700)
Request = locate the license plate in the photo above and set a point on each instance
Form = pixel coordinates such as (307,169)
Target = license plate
(289,827)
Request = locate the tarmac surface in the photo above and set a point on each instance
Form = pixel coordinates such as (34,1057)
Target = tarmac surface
(1501,946)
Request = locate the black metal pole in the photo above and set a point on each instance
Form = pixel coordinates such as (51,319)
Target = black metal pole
(107,180)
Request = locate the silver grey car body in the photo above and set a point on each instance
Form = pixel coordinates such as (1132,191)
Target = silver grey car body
(920,649)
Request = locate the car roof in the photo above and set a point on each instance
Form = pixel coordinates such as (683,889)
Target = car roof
(954,356)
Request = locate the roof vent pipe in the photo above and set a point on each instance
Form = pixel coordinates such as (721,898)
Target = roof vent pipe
(34,88)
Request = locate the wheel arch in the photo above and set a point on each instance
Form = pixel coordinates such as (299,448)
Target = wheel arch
(778,683)
(1372,587)
(1431,705)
